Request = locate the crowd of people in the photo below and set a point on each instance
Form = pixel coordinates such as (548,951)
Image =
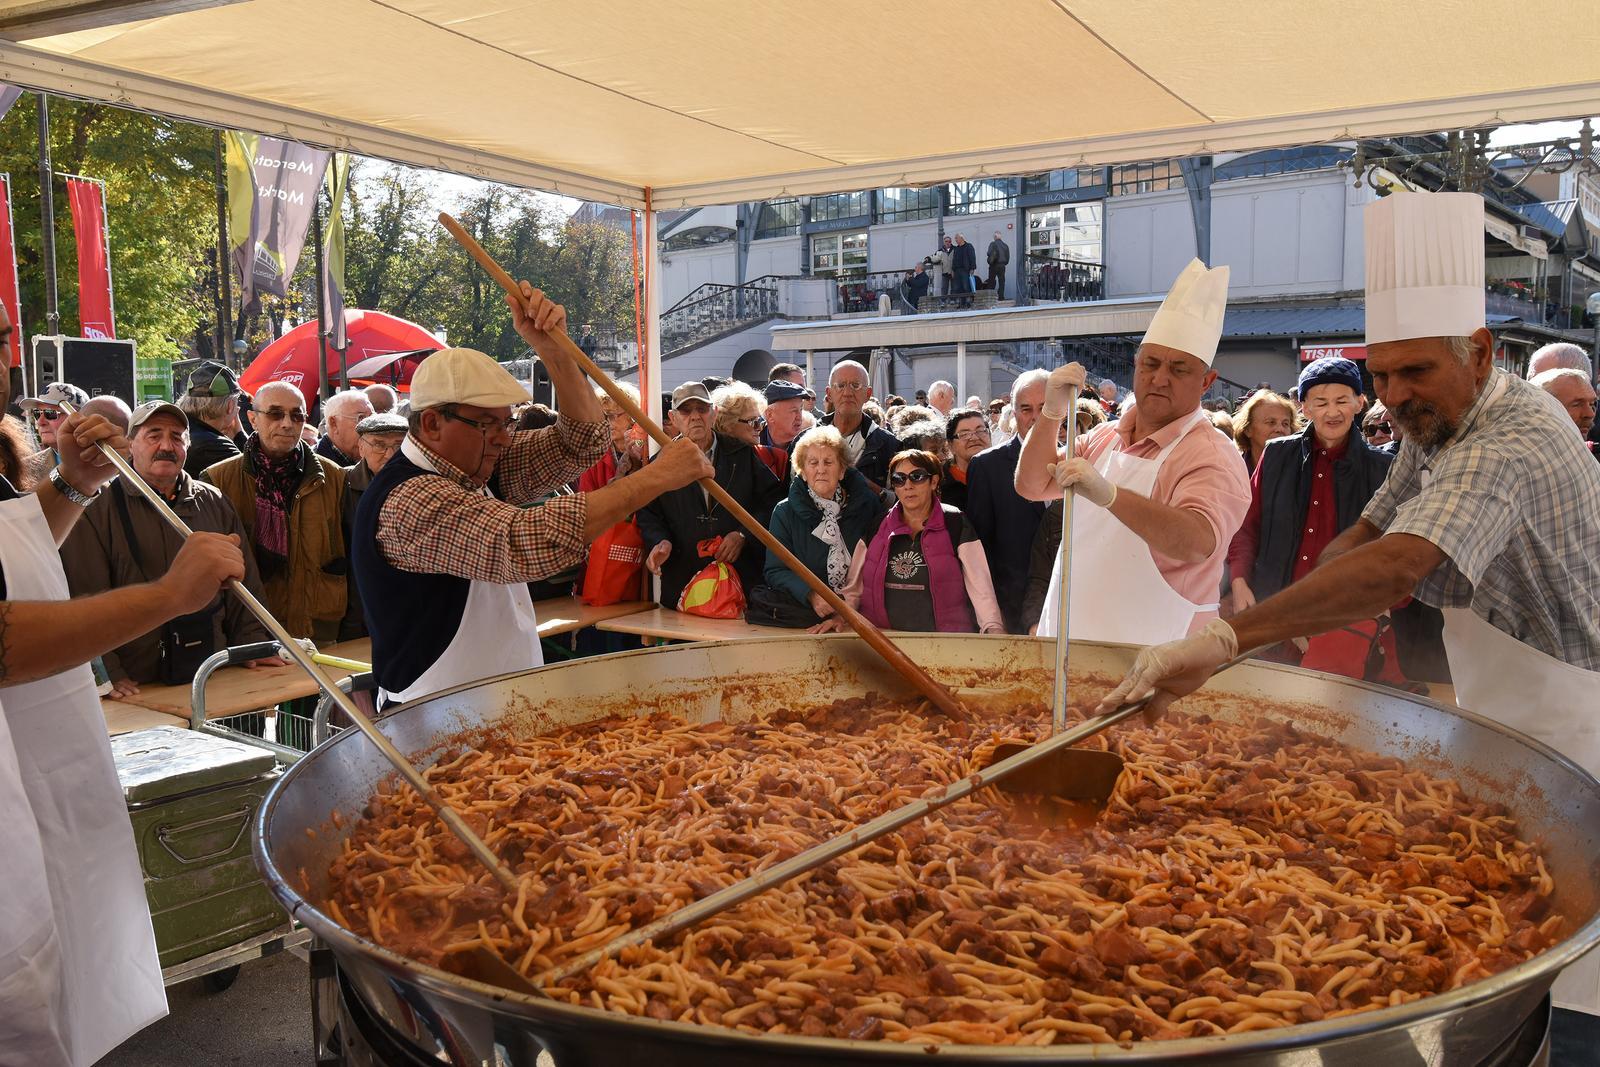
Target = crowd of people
(911,512)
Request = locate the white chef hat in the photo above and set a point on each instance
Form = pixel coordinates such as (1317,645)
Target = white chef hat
(1190,318)
(1424,266)
(464,376)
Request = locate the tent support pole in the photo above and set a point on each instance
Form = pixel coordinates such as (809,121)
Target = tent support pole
(961,371)
(650,380)
(811,379)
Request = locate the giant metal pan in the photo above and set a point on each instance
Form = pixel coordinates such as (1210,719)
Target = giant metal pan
(456,1021)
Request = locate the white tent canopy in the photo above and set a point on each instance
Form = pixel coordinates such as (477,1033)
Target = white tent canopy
(717,101)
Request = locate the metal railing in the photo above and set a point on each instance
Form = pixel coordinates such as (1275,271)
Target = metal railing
(721,308)
(1063,281)
(860,292)
(1525,304)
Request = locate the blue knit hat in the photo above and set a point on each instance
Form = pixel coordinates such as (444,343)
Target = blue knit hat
(1329,370)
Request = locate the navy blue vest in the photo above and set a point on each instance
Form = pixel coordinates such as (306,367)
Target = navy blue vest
(412,617)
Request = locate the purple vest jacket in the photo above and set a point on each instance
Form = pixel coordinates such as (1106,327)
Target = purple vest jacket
(952,611)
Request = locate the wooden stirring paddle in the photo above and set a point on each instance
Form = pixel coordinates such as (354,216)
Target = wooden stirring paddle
(903,665)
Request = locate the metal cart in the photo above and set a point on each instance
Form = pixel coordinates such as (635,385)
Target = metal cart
(288,735)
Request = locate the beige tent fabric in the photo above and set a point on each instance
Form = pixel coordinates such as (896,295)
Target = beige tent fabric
(714,101)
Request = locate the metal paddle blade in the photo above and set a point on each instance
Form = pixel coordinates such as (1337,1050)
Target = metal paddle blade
(1084,774)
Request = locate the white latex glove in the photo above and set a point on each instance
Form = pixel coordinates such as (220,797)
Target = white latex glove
(1174,669)
(1079,475)
(1066,381)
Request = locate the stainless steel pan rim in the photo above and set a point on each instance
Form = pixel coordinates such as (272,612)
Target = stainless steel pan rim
(536,1008)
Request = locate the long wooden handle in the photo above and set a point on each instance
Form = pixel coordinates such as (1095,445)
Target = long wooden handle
(308,662)
(937,694)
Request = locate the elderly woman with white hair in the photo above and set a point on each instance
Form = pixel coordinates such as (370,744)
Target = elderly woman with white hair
(831,508)
(626,453)
(739,412)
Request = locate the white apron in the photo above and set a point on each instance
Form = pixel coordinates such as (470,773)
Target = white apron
(498,633)
(78,968)
(1118,594)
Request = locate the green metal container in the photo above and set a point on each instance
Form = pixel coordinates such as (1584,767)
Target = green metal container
(192,798)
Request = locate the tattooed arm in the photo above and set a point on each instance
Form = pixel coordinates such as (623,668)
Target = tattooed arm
(41,638)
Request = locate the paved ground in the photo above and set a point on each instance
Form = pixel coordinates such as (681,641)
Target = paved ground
(264,1020)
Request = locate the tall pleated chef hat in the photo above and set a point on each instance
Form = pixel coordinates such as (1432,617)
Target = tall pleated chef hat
(464,376)
(1190,318)
(1424,266)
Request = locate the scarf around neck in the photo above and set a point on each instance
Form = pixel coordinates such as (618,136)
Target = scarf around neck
(276,480)
(828,532)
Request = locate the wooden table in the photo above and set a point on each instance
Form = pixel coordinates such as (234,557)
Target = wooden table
(123,718)
(676,626)
(235,690)
(564,614)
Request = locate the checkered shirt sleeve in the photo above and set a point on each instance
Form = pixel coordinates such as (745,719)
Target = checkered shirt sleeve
(445,525)
(1468,510)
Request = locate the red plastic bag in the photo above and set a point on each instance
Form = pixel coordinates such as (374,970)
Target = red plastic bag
(1363,650)
(616,559)
(715,592)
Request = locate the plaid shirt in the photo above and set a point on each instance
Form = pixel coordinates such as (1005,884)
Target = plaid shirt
(448,525)
(1513,501)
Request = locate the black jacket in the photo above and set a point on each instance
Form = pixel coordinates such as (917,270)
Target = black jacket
(328,450)
(685,518)
(1042,563)
(965,257)
(1006,524)
(1285,487)
(880,449)
(207,447)
(917,287)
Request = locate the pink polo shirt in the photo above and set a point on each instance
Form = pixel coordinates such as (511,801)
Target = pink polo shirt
(1204,473)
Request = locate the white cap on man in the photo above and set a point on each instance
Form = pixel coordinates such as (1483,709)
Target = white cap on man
(464,376)
(1424,266)
(1190,318)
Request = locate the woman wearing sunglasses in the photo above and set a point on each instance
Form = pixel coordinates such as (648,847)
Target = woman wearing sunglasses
(45,416)
(924,569)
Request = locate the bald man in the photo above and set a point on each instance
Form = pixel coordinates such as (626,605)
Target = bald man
(291,500)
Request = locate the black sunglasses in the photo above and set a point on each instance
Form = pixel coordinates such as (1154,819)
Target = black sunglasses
(916,477)
(1373,429)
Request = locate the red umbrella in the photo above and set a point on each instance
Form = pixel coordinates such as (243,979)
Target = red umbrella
(293,357)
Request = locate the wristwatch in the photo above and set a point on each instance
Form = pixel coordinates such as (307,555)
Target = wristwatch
(65,489)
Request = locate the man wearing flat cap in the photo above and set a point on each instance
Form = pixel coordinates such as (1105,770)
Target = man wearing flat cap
(442,548)
(211,399)
(377,438)
(122,541)
(785,414)
(676,524)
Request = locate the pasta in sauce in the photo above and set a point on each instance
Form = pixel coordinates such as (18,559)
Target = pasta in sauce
(1244,876)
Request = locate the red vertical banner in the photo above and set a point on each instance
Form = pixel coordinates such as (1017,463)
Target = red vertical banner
(96,314)
(10,291)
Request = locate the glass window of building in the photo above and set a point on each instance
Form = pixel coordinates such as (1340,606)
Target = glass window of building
(984,194)
(839,255)
(905,204)
(1061,181)
(1146,177)
(778,218)
(840,206)
(1066,231)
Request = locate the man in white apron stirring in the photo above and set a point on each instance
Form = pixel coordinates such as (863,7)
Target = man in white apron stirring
(442,550)
(1491,512)
(1158,493)
(78,967)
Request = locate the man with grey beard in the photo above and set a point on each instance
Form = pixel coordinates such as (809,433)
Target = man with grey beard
(122,541)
